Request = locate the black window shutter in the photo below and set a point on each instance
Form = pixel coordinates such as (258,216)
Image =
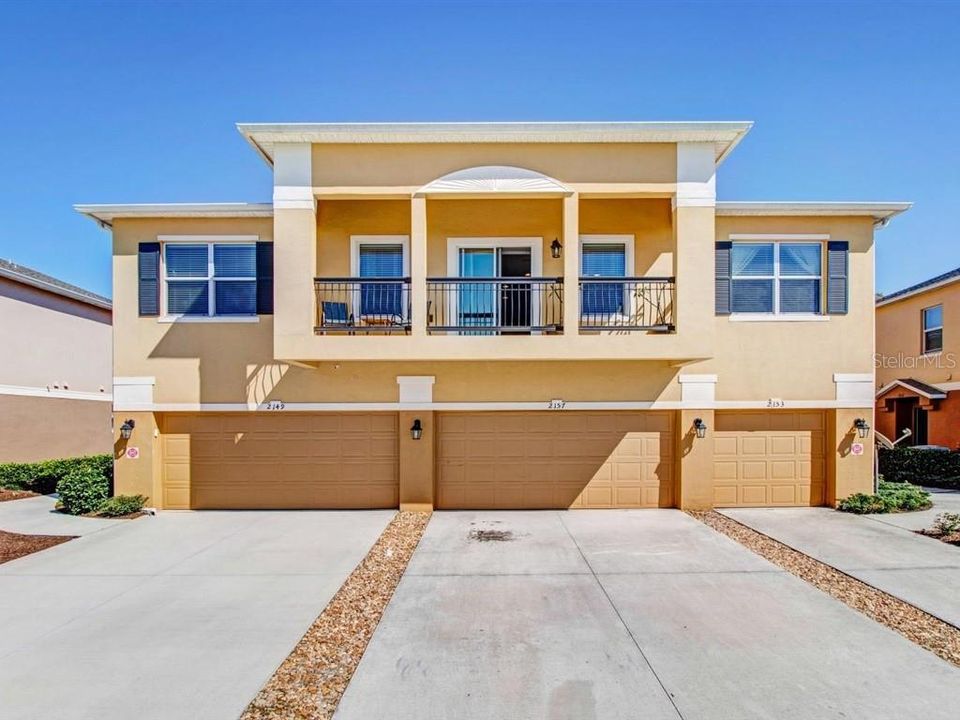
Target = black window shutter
(148,279)
(838,264)
(264,278)
(723,277)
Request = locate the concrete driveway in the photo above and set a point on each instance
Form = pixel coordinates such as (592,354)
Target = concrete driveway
(920,570)
(626,614)
(183,615)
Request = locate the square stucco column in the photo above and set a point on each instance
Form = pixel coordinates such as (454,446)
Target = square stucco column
(571,264)
(417,461)
(418,266)
(694,461)
(848,473)
(294,242)
(136,461)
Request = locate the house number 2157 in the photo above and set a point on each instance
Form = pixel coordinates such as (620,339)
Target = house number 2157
(556,404)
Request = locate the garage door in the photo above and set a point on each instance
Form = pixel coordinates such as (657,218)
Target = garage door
(554,460)
(769,458)
(266,460)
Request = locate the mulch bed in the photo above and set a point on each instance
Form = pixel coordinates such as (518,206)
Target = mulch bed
(948,538)
(311,681)
(7,494)
(927,631)
(14,545)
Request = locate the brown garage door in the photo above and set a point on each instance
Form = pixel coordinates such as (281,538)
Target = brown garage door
(554,460)
(769,458)
(274,460)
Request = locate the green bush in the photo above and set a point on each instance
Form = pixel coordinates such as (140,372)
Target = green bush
(42,477)
(890,497)
(121,505)
(921,467)
(83,490)
(862,504)
(947,523)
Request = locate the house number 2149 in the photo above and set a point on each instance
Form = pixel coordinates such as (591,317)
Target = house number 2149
(275,405)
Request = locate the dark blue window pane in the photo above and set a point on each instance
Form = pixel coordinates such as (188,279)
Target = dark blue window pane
(381,299)
(236,297)
(603,261)
(235,261)
(799,296)
(188,298)
(933,317)
(752,296)
(186,260)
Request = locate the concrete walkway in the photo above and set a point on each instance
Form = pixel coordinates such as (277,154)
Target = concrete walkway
(626,614)
(943,501)
(36,516)
(922,571)
(182,615)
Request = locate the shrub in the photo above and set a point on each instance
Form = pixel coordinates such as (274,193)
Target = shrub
(83,490)
(947,523)
(121,505)
(921,467)
(862,504)
(42,477)
(890,497)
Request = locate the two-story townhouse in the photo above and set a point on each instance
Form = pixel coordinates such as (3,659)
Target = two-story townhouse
(918,343)
(55,368)
(494,315)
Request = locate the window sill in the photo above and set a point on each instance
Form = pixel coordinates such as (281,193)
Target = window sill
(770,317)
(208,319)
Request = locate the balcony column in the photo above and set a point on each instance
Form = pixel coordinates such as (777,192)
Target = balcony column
(294,242)
(571,264)
(694,229)
(418,266)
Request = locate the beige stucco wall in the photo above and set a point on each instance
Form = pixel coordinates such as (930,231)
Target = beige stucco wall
(50,340)
(900,338)
(797,360)
(408,167)
(38,428)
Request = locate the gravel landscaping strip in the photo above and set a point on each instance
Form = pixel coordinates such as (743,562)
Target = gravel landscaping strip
(15,545)
(924,629)
(310,682)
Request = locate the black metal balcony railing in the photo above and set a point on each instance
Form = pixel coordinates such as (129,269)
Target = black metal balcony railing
(627,303)
(495,306)
(362,304)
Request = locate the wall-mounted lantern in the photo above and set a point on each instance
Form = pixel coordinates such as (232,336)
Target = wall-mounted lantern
(126,430)
(416,430)
(555,248)
(701,427)
(862,426)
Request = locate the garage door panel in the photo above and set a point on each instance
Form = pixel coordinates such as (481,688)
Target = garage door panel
(769,458)
(273,460)
(554,459)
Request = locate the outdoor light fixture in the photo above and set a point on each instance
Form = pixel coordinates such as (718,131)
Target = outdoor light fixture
(126,430)
(555,248)
(863,428)
(416,430)
(701,427)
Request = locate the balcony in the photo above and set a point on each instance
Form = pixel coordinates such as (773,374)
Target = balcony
(627,304)
(495,305)
(362,305)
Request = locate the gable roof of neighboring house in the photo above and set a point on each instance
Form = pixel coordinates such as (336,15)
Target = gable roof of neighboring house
(37,279)
(931,392)
(934,282)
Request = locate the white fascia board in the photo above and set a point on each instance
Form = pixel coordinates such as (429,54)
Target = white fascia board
(263,136)
(106,214)
(876,210)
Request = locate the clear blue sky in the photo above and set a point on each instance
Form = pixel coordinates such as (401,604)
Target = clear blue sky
(136,102)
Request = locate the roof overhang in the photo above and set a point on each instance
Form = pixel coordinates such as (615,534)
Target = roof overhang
(931,392)
(263,137)
(106,214)
(918,290)
(881,212)
(56,289)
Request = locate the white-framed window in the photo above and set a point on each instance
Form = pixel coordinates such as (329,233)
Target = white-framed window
(932,318)
(776,278)
(210,279)
(605,256)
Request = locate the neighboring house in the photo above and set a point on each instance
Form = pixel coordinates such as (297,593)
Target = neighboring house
(55,368)
(494,315)
(918,338)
